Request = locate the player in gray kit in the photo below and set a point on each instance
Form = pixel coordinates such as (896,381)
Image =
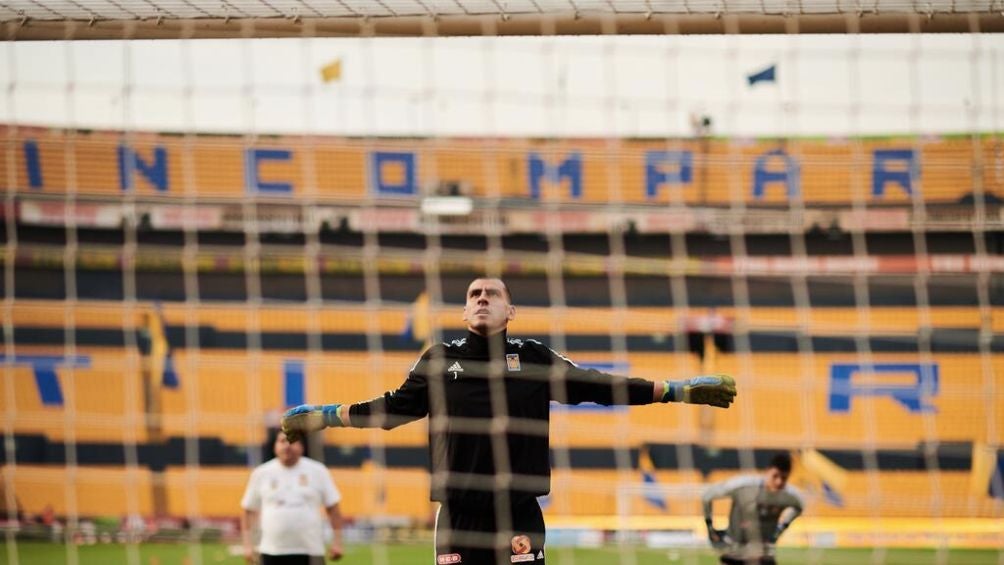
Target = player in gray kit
(763,506)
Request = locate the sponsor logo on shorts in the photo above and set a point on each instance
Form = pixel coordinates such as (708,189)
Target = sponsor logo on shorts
(520,545)
(522,558)
(448,558)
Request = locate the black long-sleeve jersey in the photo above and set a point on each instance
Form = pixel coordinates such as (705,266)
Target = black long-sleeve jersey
(463,384)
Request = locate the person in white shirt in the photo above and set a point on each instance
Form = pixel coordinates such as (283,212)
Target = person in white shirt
(283,498)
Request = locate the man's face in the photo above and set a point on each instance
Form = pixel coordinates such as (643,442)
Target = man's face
(287,453)
(775,479)
(488,311)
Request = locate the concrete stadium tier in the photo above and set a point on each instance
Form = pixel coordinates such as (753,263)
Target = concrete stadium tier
(841,400)
(392,319)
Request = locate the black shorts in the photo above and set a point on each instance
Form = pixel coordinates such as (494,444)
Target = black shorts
(299,559)
(761,561)
(468,535)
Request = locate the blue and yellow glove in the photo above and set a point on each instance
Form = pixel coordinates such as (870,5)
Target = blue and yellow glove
(305,418)
(716,390)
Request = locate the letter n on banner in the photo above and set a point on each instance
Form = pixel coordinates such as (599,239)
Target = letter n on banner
(130,163)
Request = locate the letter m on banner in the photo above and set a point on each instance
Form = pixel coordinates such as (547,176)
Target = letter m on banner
(540,171)
(912,385)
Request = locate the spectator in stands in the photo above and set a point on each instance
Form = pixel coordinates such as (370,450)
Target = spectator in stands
(283,499)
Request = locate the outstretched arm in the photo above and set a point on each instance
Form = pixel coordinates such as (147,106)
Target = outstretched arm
(590,385)
(406,404)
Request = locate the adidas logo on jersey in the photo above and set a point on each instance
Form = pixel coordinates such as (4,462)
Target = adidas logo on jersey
(455,368)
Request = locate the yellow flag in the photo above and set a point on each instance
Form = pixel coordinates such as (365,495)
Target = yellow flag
(160,360)
(817,464)
(831,478)
(158,343)
(332,71)
(420,319)
(983,466)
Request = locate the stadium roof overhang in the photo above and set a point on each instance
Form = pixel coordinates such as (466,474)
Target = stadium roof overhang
(170,19)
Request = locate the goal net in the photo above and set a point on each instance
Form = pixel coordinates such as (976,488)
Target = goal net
(215,211)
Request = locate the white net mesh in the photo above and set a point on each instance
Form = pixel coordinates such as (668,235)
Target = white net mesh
(200,234)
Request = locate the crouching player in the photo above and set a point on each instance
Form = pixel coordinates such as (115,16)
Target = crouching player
(763,506)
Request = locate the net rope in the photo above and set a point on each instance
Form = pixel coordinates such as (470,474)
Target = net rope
(455,105)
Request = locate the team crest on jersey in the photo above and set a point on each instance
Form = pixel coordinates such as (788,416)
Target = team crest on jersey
(768,509)
(303,479)
(448,558)
(512,361)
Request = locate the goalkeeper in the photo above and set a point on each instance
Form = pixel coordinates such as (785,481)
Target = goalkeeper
(763,506)
(488,398)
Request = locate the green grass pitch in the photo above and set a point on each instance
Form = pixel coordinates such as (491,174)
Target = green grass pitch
(35,553)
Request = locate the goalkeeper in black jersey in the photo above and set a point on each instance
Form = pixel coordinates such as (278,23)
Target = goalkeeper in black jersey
(488,398)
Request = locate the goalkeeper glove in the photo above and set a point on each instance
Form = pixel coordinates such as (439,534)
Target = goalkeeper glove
(716,390)
(306,418)
(778,531)
(718,538)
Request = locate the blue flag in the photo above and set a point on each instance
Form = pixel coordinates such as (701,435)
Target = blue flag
(170,377)
(832,495)
(997,479)
(418,324)
(815,472)
(647,468)
(767,75)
